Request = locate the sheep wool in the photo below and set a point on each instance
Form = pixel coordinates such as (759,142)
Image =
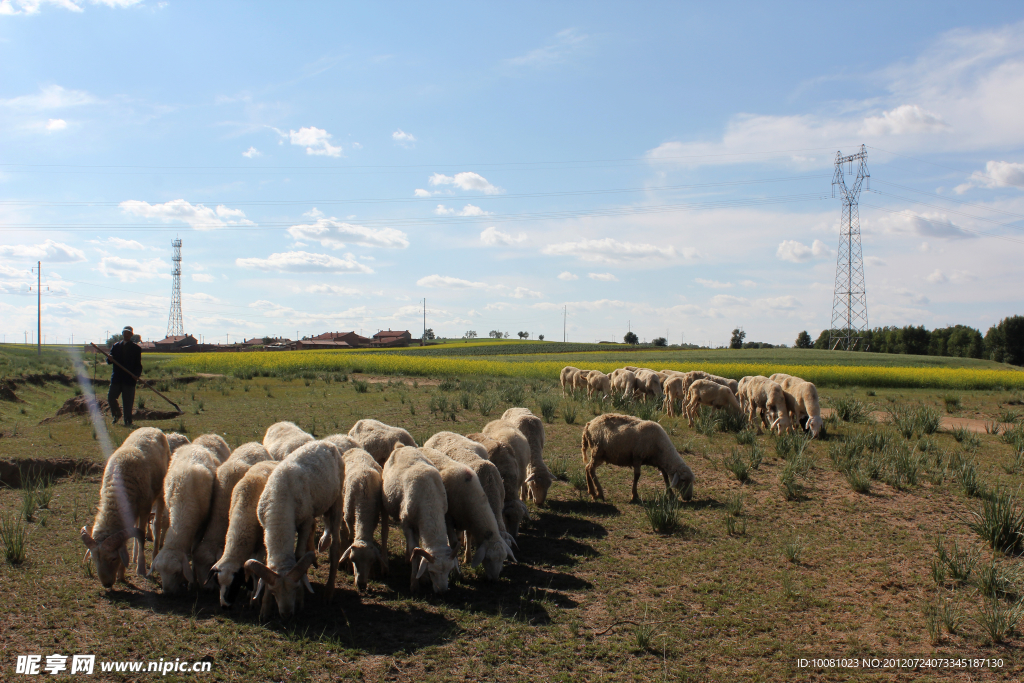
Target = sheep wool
(379,439)
(284,437)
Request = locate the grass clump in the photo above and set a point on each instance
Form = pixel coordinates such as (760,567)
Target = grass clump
(997,620)
(738,466)
(13,535)
(793,550)
(849,409)
(966,473)
(953,403)
(662,511)
(1000,522)
(570,410)
(361,386)
(955,563)
(486,403)
(707,421)
(547,407)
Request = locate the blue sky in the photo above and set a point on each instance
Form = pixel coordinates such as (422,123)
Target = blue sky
(664,167)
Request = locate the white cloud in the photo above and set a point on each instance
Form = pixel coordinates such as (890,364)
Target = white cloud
(609,250)
(315,140)
(958,277)
(492,236)
(305,262)
(404,139)
(499,306)
(252,153)
(467,180)
(712,284)
(448,282)
(748,283)
(49,97)
(923,224)
(131,270)
(332,289)
(314,213)
(603,277)
(997,174)
(903,120)
(203,277)
(467,210)
(937,277)
(875,261)
(563,44)
(524,293)
(335,234)
(56,124)
(118,243)
(599,305)
(422,193)
(47,251)
(567,276)
(728,300)
(198,216)
(796,252)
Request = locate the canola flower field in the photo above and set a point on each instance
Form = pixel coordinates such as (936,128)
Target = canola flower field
(415,362)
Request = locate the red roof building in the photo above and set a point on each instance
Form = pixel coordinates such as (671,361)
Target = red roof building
(351,338)
(392,338)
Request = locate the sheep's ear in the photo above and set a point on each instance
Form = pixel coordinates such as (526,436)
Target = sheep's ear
(213,575)
(186,569)
(88,540)
(481,555)
(346,556)
(264,573)
(675,480)
(122,553)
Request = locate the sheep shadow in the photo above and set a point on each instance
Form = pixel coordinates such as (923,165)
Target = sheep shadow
(584,507)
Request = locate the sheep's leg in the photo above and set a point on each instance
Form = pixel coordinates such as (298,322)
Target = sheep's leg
(593,485)
(304,541)
(636,479)
(410,542)
(333,521)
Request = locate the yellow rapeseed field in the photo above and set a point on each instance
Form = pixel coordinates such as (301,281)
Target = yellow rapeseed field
(292,362)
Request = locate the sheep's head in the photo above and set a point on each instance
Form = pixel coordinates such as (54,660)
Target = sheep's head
(814,425)
(364,556)
(174,570)
(782,423)
(539,482)
(439,564)
(204,558)
(229,578)
(682,480)
(110,556)
(492,553)
(287,588)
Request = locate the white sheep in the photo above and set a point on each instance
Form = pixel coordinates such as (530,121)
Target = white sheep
(759,394)
(806,395)
(229,474)
(284,437)
(624,382)
(628,441)
(538,476)
(132,485)
(379,439)
(474,455)
(244,533)
(188,492)
(513,510)
(176,441)
(363,507)
(344,442)
(307,484)
(725,382)
(565,377)
(216,444)
(414,494)
(648,382)
(600,382)
(470,511)
(518,446)
(705,392)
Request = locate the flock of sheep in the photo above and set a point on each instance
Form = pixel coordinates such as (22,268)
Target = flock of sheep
(782,401)
(227,519)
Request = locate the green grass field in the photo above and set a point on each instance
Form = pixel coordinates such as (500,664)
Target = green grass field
(752,578)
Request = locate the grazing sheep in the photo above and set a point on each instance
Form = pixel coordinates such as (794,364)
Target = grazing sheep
(760,394)
(363,507)
(780,377)
(470,511)
(176,441)
(579,380)
(538,476)
(132,485)
(674,393)
(624,382)
(505,433)
(379,439)
(307,484)
(648,382)
(344,442)
(188,492)
(806,395)
(216,445)
(565,377)
(284,437)
(474,454)
(244,533)
(414,494)
(704,392)
(733,385)
(513,510)
(628,441)
(229,474)
(598,381)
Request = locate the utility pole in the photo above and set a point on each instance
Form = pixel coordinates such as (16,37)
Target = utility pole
(423,337)
(565,315)
(850,301)
(39,308)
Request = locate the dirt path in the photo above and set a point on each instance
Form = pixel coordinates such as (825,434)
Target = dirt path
(946,423)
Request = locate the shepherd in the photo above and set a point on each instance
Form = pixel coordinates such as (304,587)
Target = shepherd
(128,355)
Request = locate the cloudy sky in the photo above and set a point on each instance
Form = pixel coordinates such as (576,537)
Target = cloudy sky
(661,167)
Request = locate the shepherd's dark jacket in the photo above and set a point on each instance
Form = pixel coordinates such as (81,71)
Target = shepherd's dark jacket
(128,354)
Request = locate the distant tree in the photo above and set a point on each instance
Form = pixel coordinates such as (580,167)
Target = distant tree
(660,341)
(429,333)
(114,338)
(470,334)
(506,335)
(524,335)
(738,336)
(803,341)
(540,337)
(496,334)
(631,338)
(1004,343)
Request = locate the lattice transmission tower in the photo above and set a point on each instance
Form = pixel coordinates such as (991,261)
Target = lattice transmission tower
(850,302)
(175,328)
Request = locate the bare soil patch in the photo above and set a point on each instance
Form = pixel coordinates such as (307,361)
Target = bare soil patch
(375,379)
(14,472)
(79,405)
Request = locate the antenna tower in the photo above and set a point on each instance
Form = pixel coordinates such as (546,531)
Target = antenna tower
(175,328)
(850,303)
